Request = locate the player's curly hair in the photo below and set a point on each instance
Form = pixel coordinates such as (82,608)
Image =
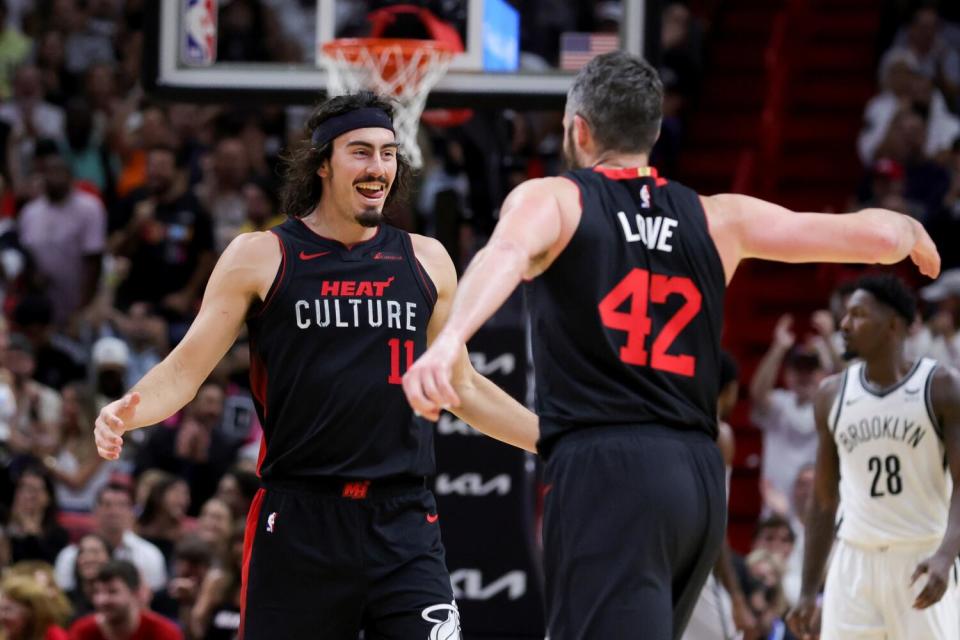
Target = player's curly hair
(302,187)
(892,292)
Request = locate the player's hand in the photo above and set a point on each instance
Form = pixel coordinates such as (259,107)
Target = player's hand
(112,423)
(428,382)
(804,619)
(937,567)
(783,337)
(924,253)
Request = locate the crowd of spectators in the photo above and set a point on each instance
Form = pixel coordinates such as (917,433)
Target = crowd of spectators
(114,208)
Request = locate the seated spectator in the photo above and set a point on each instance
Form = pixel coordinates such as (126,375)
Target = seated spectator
(926,47)
(766,593)
(192,560)
(15,48)
(944,228)
(77,469)
(28,610)
(216,525)
(113,520)
(163,519)
(119,613)
(42,573)
(93,552)
(146,336)
(262,206)
(903,86)
(64,231)
(57,360)
(168,237)
(32,526)
(109,360)
(785,415)
(237,489)
(31,117)
(925,181)
(221,190)
(216,615)
(196,448)
(37,405)
(939,338)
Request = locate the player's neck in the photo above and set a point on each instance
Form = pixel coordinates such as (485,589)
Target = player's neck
(614,160)
(888,369)
(330,224)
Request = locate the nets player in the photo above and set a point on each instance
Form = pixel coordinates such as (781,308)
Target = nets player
(889,454)
(628,275)
(344,536)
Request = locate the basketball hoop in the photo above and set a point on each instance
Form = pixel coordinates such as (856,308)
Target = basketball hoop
(395,67)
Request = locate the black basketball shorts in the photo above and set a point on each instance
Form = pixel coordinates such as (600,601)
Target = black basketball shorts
(328,562)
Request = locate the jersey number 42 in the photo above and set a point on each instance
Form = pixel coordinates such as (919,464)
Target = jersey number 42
(641,288)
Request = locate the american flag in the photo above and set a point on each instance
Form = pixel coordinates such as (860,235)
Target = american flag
(577,49)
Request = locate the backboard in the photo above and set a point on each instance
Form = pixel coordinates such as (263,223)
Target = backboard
(516,53)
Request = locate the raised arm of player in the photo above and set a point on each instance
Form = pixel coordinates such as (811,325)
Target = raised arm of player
(821,517)
(745,227)
(244,273)
(537,221)
(472,397)
(945,397)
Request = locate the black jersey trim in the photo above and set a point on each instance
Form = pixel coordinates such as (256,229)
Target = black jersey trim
(928,400)
(843,390)
(709,239)
(277,279)
(426,285)
(883,393)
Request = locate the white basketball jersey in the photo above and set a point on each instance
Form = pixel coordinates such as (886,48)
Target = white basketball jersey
(894,484)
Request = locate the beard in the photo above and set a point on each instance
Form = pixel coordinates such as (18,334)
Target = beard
(849,354)
(370,218)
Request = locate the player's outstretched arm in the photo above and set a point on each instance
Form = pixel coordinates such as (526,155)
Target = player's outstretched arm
(945,398)
(473,398)
(821,516)
(746,227)
(532,230)
(244,271)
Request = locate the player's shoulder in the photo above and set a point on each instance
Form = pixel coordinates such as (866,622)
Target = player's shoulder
(253,245)
(551,186)
(435,259)
(828,391)
(830,386)
(945,384)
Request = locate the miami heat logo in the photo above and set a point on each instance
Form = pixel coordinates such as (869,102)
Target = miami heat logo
(271,521)
(443,628)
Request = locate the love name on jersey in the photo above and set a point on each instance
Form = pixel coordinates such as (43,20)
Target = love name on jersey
(356,303)
(654,232)
(881,428)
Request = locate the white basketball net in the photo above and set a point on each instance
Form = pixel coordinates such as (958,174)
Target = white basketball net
(389,71)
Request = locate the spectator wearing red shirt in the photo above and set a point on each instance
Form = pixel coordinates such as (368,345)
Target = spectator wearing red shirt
(119,612)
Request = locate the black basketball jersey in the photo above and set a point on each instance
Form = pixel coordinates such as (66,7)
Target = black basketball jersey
(328,347)
(626,321)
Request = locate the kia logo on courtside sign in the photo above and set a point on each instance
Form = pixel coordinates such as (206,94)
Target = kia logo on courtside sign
(468,585)
(472,484)
(450,424)
(504,364)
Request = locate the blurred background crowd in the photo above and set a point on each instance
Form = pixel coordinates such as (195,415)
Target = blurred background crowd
(114,208)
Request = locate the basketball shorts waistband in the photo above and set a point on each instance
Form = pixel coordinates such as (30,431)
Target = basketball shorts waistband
(349,488)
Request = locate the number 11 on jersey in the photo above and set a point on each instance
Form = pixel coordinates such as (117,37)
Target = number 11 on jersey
(396,375)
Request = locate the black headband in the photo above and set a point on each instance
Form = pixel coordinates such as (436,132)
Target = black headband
(330,128)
